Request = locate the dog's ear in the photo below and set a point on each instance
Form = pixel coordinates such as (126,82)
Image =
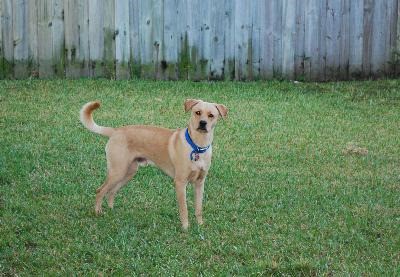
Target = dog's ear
(222,110)
(190,103)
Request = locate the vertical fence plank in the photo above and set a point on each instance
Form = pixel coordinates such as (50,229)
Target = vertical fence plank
(320,72)
(83,29)
(277,37)
(134,38)
(20,36)
(146,38)
(205,38)
(397,43)
(299,42)
(379,28)
(190,40)
(255,66)
(72,68)
(122,47)
(217,40)
(288,38)
(45,46)
(390,58)
(243,50)
(57,28)
(267,40)
(33,63)
(170,41)
(157,37)
(333,22)
(1,41)
(367,37)
(229,40)
(344,39)
(96,37)
(144,33)
(109,39)
(150,27)
(356,38)
(76,15)
(8,39)
(311,58)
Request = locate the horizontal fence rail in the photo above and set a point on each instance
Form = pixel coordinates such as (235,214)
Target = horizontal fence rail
(200,39)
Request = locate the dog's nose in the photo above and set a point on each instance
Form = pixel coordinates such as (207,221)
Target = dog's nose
(203,123)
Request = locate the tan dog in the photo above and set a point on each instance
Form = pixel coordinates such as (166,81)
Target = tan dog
(130,146)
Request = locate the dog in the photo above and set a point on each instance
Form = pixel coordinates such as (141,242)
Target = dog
(183,154)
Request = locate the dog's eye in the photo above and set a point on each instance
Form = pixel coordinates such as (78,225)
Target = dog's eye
(198,113)
(210,115)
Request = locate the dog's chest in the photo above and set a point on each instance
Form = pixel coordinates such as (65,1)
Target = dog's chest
(198,169)
(198,164)
(196,175)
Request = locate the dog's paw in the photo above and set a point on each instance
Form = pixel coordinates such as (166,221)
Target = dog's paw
(98,210)
(185,227)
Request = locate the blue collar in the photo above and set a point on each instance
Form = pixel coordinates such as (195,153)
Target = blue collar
(195,149)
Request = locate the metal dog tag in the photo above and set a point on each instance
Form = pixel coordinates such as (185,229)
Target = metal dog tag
(196,157)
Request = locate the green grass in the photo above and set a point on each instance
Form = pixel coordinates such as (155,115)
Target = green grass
(281,197)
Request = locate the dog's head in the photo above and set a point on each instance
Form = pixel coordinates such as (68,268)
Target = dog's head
(204,115)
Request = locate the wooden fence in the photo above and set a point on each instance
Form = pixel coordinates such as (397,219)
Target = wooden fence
(200,39)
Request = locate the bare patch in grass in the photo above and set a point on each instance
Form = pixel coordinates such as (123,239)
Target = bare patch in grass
(354,149)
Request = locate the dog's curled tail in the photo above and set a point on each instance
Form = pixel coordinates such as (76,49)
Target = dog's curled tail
(88,122)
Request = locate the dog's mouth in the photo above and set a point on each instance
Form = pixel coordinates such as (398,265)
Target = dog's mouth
(202,129)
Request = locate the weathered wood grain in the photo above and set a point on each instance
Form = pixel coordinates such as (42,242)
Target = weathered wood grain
(21,39)
(299,42)
(122,47)
(367,36)
(356,38)
(396,55)
(243,49)
(190,52)
(200,39)
(135,68)
(311,49)
(390,57)
(57,28)
(8,38)
(1,41)
(150,38)
(276,14)
(108,61)
(344,39)
(45,39)
(96,37)
(333,38)
(267,40)
(217,13)
(288,38)
(205,38)
(379,28)
(255,65)
(229,40)
(33,62)
(76,18)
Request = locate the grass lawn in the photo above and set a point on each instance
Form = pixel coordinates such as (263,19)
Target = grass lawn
(283,196)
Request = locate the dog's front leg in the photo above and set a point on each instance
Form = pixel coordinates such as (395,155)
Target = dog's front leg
(180,187)
(198,201)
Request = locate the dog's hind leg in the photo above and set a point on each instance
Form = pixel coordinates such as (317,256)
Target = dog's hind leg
(111,180)
(132,169)
(117,166)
